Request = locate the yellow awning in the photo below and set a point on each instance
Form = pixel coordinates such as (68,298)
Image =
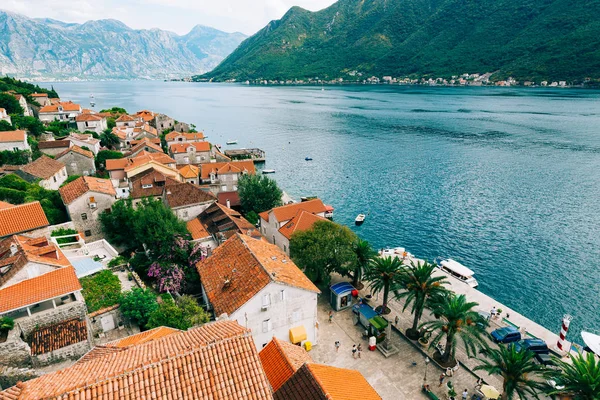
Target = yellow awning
(297,334)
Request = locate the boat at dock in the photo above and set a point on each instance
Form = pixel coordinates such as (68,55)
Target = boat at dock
(230,142)
(360,218)
(307,158)
(458,271)
(268,171)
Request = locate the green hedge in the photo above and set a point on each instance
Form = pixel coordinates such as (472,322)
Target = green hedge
(101,290)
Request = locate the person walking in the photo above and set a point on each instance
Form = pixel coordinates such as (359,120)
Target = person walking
(354,350)
(465,394)
(493,312)
(337,346)
(442,377)
(359,348)
(396,320)
(330,317)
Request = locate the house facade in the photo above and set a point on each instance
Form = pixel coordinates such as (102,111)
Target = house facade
(14,140)
(183,137)
(4,116)
(91,122)
(86,198)
(187,201)
(50,173)
(224,176)
(125,121)
(78,161)
(54,147)
(163,122)
(61,111)
(191,153)
(252,282)
(190,174)
(85,140)
(302,221)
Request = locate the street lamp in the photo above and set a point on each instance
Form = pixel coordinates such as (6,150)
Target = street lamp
(426,364)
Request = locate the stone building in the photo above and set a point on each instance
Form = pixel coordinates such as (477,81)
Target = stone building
(187,201)
(78,161)
(191,152)
(163,122)
(85,140)
(91,122)
(14,140)
(183,137)
(49,173)
(54,147)
(224,176)
(86,198)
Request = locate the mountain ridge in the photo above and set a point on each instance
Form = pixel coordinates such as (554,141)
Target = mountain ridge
(106,49)
(528,39)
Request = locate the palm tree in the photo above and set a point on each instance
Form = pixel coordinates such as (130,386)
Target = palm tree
(364,254)
(457,319)
(580,378)
(384,274)
(417,285)
(517,370)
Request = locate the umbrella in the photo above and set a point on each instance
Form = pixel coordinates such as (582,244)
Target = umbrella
(592,341)
(489,391)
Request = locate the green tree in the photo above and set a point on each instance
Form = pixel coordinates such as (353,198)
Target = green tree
(364,254)
(109,139)
(325,248)
(517,369)
(114,110)
(118,223)
(138,305)
(384,274)
(458,319)
(156,226)
(6,324)
(10,104)
(417,285)
(579,378)
(32,125)
(14,157)
(182,314)
(258,193)
(104,155)
(5,126)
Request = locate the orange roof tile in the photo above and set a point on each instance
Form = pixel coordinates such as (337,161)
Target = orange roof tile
(55,336)
(143,337)
(145,157)
(125,118)
(4,204)
(145,115)
(215,361)
(281,360)
(189,171)
(287,212)
(39,94)
(318,381)
(76,149)
(80,186)
(256,264)
(12,136)
(189,136)
(66,105)
(43,168)
(116,164)
(88,117)
(246,165)
(53,284)
(145,143)
(301,222)
(196,229)
(22,218)
(178,148)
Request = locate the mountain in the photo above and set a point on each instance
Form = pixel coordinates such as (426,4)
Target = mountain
(46,48)
(526,39)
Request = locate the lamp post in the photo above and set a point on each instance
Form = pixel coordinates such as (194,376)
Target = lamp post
(426,364)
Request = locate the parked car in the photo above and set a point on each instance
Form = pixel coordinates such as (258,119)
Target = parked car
(508,334)
(485,319)
(537,346)
(545,359)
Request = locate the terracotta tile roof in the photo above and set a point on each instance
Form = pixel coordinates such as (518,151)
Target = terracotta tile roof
(287,212)
(21,218)
(12,136)
(66,105)
(189,136)
(53,144)
(247,165)
(54,337)
(121,134)
(224,222)
(144,157)
(215,361)
(318,381)
(88,117)
(39,94)
(145,144)
(155,141)
(80,186)
(125,118)
(145,115)
(196,229)
(178,148)
(43,168)
(83,138)
(189,171)
(301,222)
(116,164)
(75,149)
(57,283)
(281,360)
(149,177)
(3,205)
(186,194)
(145,128)
(233,197)
(256,263)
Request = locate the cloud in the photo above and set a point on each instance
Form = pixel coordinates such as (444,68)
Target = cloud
(179,16)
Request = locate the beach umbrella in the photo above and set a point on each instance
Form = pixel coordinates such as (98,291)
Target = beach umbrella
(592,342)
(490,392)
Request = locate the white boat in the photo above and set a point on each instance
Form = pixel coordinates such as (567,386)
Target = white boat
(458,271)
(592,342)
(232,142)
(360,218)
(268,171)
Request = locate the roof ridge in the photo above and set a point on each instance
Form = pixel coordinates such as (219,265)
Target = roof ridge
(316,377)
(239,235)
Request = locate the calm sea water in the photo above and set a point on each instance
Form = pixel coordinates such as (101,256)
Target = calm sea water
(504,180)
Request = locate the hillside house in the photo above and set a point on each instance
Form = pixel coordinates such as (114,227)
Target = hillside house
(54,147)
(28,218)
(163,122)
(190,173)
(78,161)
(125,121)
(41,98)
(91,122)
(62,111)
(187,201)
(183,137)
(14,140)
(191,152)
(85,140)
(224,176)
(4,116)
(50,173)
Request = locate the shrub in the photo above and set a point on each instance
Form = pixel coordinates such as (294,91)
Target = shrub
(181,314)
(117,261)
(101,290)
(138,304)
(6,324)
(64,232)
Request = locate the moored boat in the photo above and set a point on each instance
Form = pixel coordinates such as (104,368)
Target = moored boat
(230,142)
(458,271)
(268,171)
(307,158)
(360,218)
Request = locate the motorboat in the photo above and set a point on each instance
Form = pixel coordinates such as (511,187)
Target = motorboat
(458,271)
(307,158)
(230,142)
(592,342)
(268,171)
(360,218)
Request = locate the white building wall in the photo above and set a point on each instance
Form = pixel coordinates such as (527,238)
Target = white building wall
(30,271)
(93,126)
(94,148)
(191,212)
(54,182)
(20,145)
(298,307)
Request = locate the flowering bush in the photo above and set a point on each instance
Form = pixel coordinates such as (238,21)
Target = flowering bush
(169,277)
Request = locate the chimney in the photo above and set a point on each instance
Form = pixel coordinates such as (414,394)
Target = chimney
(13,249)
(228,204)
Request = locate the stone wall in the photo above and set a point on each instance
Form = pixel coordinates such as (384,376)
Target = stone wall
(64,312)
(95,319)
(72,352)
(15,352)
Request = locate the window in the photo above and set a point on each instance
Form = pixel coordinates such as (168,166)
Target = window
(54,177)
(282,295)
(274,239)
(284,248)
(87,233)
(267,325)
(266,301)
(15,148)
(192,182)
(185,214)
(235,177)
(296,316)
(84,216)
(223,188)
(147,186)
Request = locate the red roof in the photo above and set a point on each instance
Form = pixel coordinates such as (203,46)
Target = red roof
(22,218)
(12,136)
(88,117)
(287,212)
(301,222)
(82,185)
(280,360)
(246,165)
(178,148)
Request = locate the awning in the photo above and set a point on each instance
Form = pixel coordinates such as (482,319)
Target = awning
(379,323)
(490,392)
(592,341)
(297,334)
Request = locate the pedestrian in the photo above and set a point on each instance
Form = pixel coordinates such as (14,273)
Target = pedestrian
(359,348)
(465,394)
(493,312)
(337,346)
(442,377)
(354,350)
(396,320)
(330,316)
(479,383)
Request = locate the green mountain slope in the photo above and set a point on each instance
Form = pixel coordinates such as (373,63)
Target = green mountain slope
(526,39)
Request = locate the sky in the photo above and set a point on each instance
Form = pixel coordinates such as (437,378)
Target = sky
(179,16)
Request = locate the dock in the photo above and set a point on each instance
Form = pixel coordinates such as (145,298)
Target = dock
(256,155)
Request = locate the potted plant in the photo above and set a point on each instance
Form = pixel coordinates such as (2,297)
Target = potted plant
(424,338)
(498,313)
